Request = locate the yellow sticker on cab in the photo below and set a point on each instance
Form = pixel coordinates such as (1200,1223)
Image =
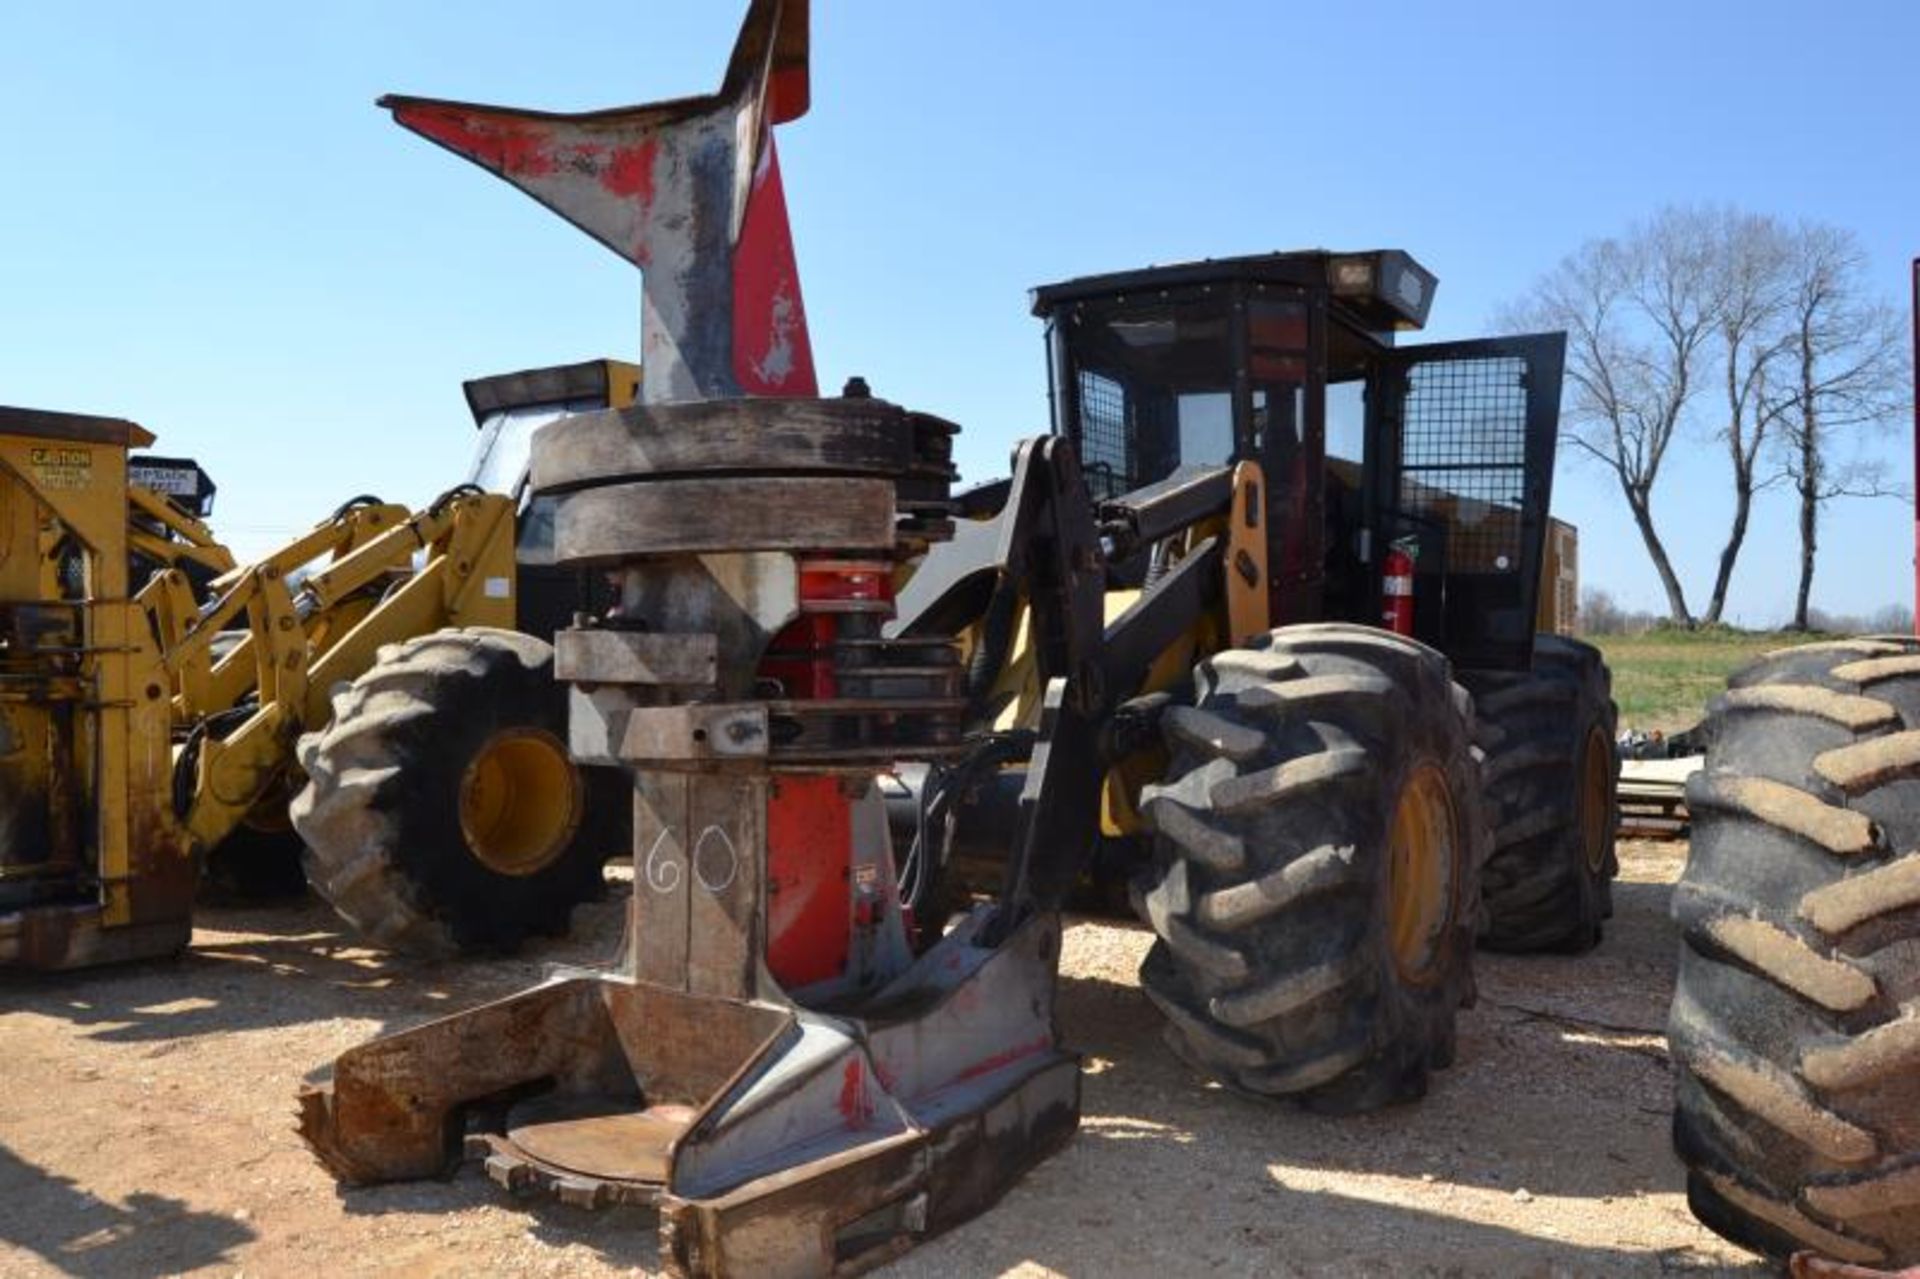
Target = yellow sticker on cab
(61,468)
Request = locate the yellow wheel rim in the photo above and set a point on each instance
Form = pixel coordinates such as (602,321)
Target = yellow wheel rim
(1421,875)
(520,801)
(1596,817)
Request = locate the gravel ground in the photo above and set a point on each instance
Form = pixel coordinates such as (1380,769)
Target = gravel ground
(146,1128)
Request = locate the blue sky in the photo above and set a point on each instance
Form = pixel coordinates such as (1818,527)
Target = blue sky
(206,226)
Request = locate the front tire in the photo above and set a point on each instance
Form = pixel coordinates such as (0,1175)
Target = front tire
(1795,1024)
(442,811)
(1315,879)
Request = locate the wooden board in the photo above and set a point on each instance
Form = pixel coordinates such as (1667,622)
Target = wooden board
(1653,797)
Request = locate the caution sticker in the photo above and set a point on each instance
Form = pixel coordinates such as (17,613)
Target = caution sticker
(61,468)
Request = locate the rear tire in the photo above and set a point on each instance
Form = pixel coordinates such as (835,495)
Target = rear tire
(1552,775)
(1323,778)
(441,811)
(1796,1017)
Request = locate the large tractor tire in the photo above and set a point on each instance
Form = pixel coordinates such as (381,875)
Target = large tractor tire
(442,811)
(1551,771)
(1796,1018)
(1315,883)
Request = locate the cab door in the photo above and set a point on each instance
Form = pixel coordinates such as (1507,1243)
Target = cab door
(1460,460)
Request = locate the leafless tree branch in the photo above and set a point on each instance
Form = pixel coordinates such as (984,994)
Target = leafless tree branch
(1850,371)
(1777,318)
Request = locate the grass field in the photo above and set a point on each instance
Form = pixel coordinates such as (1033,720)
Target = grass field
(1664,678)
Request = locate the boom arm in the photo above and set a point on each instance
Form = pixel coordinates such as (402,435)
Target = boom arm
(243,708)
(165,534)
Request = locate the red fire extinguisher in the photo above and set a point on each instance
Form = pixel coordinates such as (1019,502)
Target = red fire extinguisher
(1396,589)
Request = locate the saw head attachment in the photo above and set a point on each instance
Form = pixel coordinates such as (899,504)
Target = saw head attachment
(797,1076)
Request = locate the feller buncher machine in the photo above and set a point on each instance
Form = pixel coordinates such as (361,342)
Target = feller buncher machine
(877,735)
(152,694)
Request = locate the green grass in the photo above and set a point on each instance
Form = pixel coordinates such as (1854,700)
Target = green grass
(1663,679)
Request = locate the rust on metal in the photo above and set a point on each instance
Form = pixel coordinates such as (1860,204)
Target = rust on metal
(624,1146)
(690,191)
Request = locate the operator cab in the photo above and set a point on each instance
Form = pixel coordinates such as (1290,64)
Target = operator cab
(1262,359)
(507,409)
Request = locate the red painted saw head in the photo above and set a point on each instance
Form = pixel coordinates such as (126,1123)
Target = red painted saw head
(688,190)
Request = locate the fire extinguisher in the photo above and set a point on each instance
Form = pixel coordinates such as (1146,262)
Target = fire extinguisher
(1396,588)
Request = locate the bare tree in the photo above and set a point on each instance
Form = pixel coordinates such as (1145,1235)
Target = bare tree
(1891,619)
(1807,360)
(1753,268)
(1848,375)
(1599,615)
(1640,315)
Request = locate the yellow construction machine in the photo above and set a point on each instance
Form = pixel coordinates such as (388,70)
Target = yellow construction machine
(82,689)
(153,695)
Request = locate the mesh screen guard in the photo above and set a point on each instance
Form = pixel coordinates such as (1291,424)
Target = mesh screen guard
(1106,443)
(1464,458)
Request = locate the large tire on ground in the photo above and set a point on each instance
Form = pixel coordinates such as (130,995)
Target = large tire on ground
(1315,880)
(1552,775)
(1796,1018)
(442,811)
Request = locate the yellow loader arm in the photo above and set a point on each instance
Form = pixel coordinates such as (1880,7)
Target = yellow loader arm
(314,614)
(162,532)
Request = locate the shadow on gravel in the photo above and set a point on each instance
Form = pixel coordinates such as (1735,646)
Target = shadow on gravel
(261,967)
(1547,1093)
(626,1237)
(299,975)
(80,1234)
(1634,900)
(1278,1231)
(1561,1090)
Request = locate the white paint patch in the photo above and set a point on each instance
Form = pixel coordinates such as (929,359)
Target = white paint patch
(777,366)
